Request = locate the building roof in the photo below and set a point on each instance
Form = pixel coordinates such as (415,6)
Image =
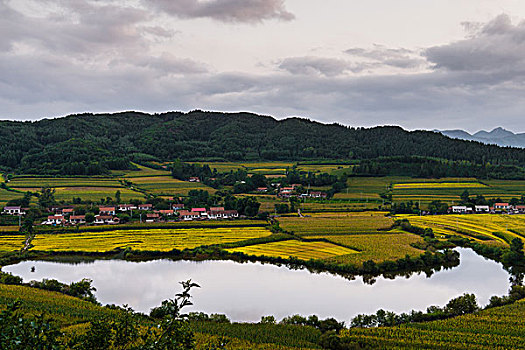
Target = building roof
(77,217)
(216,208)
(501,204)
(55,217)
(199,210)
(12,208)
(104,217)
(106,208)
(146,205)
(188,213)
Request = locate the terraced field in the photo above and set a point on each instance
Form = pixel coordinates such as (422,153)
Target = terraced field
(296,249)
(148,239)
(481,227)
(166,185)
(39,182)
(336,223)
(6,196)
(435,185)
(497,328)
(142,171)
(376,247)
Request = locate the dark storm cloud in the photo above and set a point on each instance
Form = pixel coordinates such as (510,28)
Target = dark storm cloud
(249,11)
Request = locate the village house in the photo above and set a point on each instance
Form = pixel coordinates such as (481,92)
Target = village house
(107,210)
(201,211)
(77,219)
(460,209)
(145,206)
(55,220)
(194,179)
(13,211)
(317,194)
(189,215)
(519,209)
(68,211)
(166,212)
(126,207)
(178,206)
(262,189)
(482,208)
(502,206)
(152,217)
(106,220)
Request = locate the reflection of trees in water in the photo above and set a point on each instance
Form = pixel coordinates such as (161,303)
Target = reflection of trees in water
(517,274)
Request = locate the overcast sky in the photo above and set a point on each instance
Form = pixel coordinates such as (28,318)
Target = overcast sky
(419,64)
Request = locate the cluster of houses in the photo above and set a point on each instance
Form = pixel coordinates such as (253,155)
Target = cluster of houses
(292,191)
(480,209)
(107,215)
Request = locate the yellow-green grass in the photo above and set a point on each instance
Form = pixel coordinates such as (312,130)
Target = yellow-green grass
(39,182)
(141,171)
(319,168)
(268,171)
(296,249)
(145,239)
(489,226)
(367,188)
(166,185)
(322,206)
(336,223)
(496,328)
(91,193)
(63,309)
(6,196)
(8,229)
(418,185)
(377,247)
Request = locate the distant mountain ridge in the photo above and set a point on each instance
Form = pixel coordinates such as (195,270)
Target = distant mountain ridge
(498,136)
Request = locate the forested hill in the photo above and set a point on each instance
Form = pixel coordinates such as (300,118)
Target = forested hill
(93,144)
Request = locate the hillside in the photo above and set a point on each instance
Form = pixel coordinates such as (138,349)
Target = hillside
(90,144)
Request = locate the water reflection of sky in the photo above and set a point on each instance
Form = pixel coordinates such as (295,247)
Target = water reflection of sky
(245,292)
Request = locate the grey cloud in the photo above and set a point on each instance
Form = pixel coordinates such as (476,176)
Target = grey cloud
(498,47)
(394,57)
(249,11)
(310,65)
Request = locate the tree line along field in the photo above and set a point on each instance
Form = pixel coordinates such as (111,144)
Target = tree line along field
(484,228)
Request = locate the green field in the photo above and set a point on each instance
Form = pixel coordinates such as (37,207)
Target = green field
(141,171)
(296,249)
(336,223)
(6,196)
(39,182)
(165,239)
(167,185)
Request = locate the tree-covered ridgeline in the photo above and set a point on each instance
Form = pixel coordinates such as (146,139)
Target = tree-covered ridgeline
(88,144)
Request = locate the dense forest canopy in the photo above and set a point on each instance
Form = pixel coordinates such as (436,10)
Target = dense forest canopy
(87,144)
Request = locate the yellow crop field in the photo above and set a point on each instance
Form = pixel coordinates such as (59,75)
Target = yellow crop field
(147,239)
(416,185)
(296,249)
(89,193)
(141,171)
(485,226)
(336,223)
(376,247)
(39,182)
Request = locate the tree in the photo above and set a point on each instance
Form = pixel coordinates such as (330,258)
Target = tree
(117,196)
(462,305)
(514,256)
(90,217)
(47,197)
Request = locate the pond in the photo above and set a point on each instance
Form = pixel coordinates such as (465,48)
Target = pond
(245,292)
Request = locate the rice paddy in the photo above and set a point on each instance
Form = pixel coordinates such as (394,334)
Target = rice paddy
(377,247)
(144,239)
(480,227)
(296,249)
(336,223)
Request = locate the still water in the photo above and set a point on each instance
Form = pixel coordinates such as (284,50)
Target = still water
(245,292)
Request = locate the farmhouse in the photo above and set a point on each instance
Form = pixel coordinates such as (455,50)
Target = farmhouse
(77,219)
(189,215)
(317,194)
(502,206)
(482,208)
(13,211)
(106,220)
(262,189)
(153,217)
(107,210)
(145,206)
(194,179)
(177,206)
(166,212)
(126,207)
(460,209)
(54,220)
(68,211)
